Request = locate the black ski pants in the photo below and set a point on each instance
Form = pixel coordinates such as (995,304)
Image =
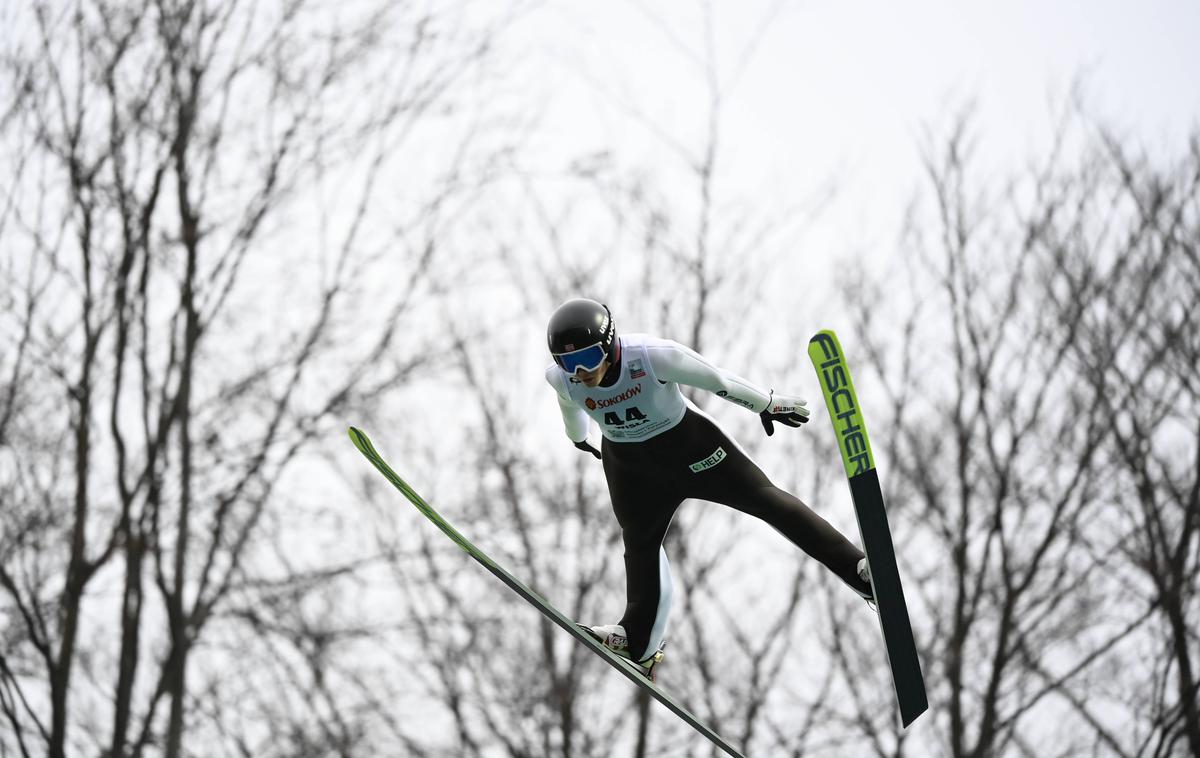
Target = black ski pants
(648,480)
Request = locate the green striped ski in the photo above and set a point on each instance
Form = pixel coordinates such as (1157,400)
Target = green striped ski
(628,669)
(855,447)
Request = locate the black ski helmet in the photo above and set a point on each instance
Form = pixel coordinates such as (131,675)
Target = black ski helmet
(579,324)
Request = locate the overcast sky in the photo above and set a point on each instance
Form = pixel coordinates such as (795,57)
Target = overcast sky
(843,89)
(839,91)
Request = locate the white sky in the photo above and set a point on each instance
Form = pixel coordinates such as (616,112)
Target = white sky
(844,88)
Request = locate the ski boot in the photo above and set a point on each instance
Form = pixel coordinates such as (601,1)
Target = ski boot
(864,574)
(612,636)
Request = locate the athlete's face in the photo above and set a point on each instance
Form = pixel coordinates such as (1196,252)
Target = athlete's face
(592,378)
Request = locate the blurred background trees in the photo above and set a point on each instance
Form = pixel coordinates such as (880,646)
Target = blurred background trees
(229,230)
(190,302)
(1041,442)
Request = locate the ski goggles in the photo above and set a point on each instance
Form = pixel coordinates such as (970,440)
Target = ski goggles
(588,359)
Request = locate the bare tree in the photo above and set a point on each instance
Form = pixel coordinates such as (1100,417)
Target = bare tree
(1138,350)
(155,392)
(1011,397)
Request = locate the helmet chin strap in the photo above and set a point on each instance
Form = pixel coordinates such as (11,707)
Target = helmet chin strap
(614,368)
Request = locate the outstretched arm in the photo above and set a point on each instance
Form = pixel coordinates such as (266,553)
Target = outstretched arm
(678,363)
(674,362)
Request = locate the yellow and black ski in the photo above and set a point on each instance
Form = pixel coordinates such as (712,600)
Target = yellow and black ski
(855,447)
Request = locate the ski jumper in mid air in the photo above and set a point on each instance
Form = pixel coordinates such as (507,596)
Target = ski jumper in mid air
(657,450)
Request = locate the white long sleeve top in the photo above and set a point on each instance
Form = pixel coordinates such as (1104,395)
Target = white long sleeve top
(646,400)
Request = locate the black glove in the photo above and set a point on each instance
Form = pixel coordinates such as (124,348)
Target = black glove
(585,447)
(786,410)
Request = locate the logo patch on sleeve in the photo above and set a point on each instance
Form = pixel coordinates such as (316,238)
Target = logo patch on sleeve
(717,456)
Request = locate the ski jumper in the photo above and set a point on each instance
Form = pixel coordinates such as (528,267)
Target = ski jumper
(659,450)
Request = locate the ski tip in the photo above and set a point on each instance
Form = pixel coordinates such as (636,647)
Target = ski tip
(824,343)
(359,439)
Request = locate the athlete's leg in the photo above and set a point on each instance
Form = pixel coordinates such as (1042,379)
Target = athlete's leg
(739,483)
(648,599)
(807,530)
(644,510)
